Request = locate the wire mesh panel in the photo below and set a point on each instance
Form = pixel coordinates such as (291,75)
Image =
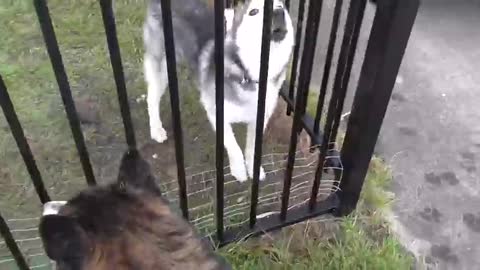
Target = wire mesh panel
(299,185)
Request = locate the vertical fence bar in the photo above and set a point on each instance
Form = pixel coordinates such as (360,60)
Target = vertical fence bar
(346,74)
(174,102)
(352,26)
(51,43)
(219,113)
(287,4)
(22,143)
(308,76)
(296,52)
(314,12)
(12,245)
(390,32)
(262,93)
(116,60)
(328,65)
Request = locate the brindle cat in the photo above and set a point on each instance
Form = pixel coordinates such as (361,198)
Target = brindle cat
(125,225)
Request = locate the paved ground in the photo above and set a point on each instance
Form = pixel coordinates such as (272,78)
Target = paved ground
(431,135)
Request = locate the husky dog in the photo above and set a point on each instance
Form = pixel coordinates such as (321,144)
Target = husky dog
(193,24)
(124,226)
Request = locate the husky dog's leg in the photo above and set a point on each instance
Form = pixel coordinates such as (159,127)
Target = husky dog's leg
(156,78)
(270,105)
(234,152)
(250,151)
(235,155)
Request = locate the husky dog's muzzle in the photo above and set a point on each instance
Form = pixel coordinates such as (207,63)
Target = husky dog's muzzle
(279,24)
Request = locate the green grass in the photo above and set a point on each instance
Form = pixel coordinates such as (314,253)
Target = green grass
(359,241)
(28,75)
(353,249)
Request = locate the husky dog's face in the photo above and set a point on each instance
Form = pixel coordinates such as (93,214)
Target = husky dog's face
(247,32)
(252,17)
(123,226)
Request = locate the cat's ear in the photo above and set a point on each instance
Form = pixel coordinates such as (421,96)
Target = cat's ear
(136,172)
(63,238)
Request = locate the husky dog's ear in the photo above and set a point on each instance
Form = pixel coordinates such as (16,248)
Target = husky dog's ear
(63,239)
(135,171)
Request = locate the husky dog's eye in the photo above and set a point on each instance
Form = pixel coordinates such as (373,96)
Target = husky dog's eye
(253,12)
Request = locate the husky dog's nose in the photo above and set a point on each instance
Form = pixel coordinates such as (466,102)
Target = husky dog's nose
(279,25)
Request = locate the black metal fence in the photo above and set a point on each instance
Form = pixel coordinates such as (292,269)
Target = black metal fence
(388,38)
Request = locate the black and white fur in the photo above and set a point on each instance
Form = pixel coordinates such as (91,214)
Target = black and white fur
(193,25)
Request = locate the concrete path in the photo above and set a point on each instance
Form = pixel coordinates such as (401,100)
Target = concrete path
(431,137)
(431,134)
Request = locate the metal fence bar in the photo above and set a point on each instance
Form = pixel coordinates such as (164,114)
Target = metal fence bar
(296,52)
(262,93)
(307,120)
(347,72)
(352,25)
(328,64)
(116,60)
(274,222)
(308,76)
(174,103)
(287,4)
(389,36)
(51,43)
(219,113)
(22,143)
(346,75)
(313,21)
(12,245)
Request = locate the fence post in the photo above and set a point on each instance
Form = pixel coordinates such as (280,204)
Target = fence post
(390,32)
(219,9)
(174,102)
(262,94)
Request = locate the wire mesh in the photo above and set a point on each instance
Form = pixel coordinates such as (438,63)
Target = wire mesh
(201,198)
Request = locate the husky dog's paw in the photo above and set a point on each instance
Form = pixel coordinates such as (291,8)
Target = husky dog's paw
(239,172)
(158,134)
(262,175)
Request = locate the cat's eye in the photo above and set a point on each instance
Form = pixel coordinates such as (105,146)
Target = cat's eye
(253,12)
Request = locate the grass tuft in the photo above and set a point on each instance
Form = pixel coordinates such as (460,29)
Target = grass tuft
(359,241)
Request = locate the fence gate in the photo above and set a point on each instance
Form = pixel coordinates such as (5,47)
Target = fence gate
(271,205)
